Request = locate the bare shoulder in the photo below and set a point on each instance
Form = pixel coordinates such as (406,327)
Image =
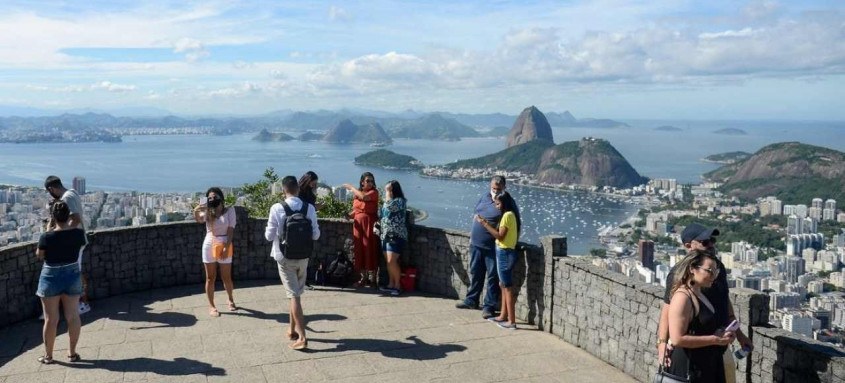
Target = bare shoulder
(680,296)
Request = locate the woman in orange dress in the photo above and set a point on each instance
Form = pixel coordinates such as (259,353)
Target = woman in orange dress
(364,217)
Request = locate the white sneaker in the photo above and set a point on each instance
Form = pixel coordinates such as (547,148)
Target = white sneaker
(84,308)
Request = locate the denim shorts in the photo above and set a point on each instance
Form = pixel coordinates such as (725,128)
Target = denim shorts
(396,245)
(58,280)
(505,260)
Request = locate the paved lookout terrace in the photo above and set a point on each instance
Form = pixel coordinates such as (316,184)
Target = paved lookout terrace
(150,319)
(167,335)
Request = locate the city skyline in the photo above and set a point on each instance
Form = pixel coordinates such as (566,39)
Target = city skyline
(669,59)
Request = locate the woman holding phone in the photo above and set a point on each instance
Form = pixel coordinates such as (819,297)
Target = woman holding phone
(364,218)
(696,341)
(217,247)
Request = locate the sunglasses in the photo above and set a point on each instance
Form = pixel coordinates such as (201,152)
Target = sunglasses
(707,242)
(709,270)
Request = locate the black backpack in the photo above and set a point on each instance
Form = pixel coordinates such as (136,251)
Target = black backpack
(339,271)
(297,234)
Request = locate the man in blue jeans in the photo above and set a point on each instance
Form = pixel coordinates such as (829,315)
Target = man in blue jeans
(482,259)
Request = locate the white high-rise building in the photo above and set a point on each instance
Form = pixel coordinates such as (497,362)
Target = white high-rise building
(800,211)
(828,214)
(810,226)
(840,217)
(815,213)
(777,206)
(797,323)
(818,202)
(830,204)
(794,224)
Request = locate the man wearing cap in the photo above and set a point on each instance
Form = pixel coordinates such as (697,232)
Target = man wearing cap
(697,237)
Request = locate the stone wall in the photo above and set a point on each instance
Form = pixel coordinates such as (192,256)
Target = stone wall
(607,314)
(123,260)
(781,356)
(441,258)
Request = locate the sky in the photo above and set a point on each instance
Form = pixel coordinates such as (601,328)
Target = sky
(673,59)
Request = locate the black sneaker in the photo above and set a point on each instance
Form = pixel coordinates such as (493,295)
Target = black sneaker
(487,314)
(464,305)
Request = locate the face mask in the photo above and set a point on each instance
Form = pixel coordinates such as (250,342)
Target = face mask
(214,202)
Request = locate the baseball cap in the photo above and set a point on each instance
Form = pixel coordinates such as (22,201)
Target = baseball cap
(697,232)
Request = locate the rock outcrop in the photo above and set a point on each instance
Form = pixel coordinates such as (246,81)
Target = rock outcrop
(530,125)
(794,172)
(346,131)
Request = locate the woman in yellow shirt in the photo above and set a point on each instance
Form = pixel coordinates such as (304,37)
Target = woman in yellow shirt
(506,237)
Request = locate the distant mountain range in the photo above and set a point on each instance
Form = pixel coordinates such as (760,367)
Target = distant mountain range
(792,171)
(408,124)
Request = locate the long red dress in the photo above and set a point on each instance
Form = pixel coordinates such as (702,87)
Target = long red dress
(365,216)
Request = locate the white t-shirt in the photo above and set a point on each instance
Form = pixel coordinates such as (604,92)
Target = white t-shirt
(74,204)
(277,219)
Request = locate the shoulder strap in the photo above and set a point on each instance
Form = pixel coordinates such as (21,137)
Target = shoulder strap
(288,210)
(693,301)
(304,209)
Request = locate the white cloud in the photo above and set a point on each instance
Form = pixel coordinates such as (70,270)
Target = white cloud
(339,14)
(192,48)
(242,90)
(112,87)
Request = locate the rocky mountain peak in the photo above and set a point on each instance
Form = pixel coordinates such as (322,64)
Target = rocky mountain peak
(530,125)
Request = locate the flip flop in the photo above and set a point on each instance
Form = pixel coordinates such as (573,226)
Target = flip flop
(232,306)
(214,313)
(292,335)
(45,359)
(299,345)
(73,358)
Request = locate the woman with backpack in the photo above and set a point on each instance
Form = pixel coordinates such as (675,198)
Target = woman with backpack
(217,248)
(394,233)
(364,217)
(60,281)
(506,235)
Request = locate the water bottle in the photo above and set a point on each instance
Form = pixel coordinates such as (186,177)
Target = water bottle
(742,352)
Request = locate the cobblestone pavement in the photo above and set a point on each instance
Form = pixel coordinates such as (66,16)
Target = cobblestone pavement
(167,335)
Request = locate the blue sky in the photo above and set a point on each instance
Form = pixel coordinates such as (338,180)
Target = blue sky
(618,59)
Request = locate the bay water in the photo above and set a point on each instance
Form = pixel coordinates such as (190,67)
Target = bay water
(191,163)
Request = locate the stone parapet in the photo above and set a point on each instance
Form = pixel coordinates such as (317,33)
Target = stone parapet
(781,356)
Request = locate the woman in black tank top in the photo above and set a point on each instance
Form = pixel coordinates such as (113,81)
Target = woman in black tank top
(60,281)
(694,335)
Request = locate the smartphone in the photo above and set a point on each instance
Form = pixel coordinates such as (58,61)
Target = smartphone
(733,326)
(203,201)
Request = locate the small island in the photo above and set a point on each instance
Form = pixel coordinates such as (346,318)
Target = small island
(668,128)
(387,159)
(266,136)
(310,136)
(731,132)
(726,158)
